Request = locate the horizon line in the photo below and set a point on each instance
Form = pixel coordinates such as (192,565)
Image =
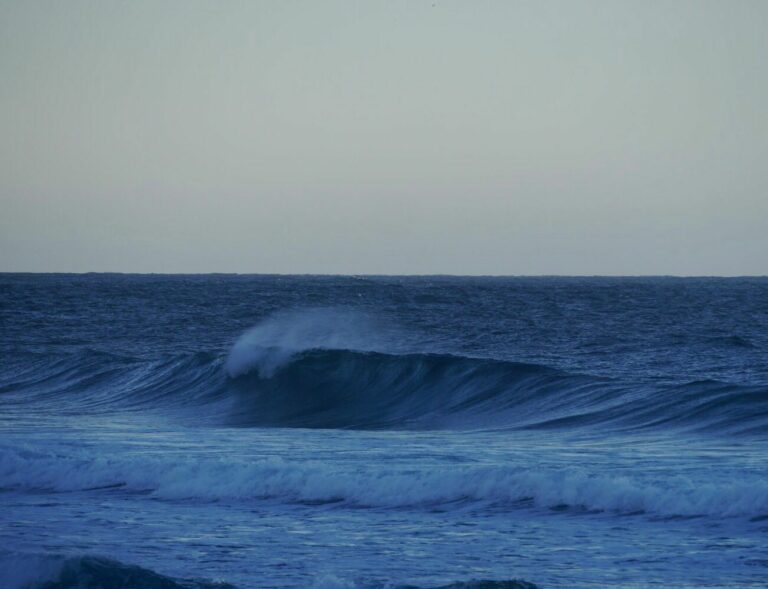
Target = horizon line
(385,275)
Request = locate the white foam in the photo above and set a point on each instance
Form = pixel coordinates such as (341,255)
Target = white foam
(382,486)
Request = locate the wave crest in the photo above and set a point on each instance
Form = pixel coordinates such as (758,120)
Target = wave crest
(272,344)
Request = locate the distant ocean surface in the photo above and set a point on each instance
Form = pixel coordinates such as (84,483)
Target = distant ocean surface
(190,432)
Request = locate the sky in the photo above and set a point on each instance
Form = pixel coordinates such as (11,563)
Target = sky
(384,137)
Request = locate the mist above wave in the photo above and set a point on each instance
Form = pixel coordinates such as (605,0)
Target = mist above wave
(272,344)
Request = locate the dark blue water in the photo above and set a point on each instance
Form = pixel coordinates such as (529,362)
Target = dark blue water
(278,431)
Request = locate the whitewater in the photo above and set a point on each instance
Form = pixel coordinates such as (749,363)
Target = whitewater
(368,432)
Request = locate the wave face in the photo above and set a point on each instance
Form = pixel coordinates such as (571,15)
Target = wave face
(351,389)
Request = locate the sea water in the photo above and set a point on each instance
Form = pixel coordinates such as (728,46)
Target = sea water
(353,432)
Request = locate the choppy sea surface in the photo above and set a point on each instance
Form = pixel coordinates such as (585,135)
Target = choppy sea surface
(208,431)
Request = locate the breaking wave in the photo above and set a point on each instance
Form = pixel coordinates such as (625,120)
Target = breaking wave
(322,369)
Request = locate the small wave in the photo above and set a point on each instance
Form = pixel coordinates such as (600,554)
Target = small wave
(498,486)
(87,572)
(731,341)
(28,571)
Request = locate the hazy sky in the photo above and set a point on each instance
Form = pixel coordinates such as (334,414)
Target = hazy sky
(510,137)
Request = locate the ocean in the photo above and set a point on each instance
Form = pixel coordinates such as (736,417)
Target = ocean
(343,432)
